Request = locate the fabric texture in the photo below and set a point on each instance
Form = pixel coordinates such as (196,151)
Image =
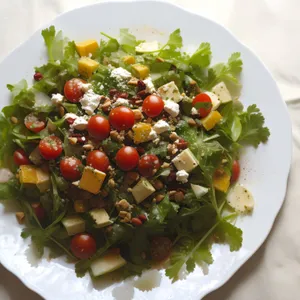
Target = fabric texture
(271,29)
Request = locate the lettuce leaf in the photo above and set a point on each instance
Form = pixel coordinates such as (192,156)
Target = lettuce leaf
(128,41)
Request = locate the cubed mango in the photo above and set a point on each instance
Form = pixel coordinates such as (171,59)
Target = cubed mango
(87,47)
(91,180)
(86,66)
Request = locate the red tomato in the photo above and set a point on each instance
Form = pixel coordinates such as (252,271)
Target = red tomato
(127,158)
(148,165)
(73,91)
(70,168)
(21,158)
(50,147)
(121,118)
(98,160)
(39,211)
(153,106)
(236,169)
(203,98)
(33,123)
(83,245)
(98,127)
(160,248)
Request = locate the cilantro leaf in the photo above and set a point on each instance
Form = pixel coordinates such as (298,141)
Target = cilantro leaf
(175,40)
(253,130)
(202,56)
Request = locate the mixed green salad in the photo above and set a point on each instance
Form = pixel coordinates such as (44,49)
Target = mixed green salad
(125,153)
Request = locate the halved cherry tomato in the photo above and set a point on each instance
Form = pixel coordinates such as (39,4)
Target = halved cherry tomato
(73,90)
(203,98)
(21,158)
(98,160)
(33,123)
(121,118)
(153,106)
(70,168)
(160,248)
(83,245)
(127,158)
(98,127)
(39,211)
(50,147)
(236,170)
(148,165)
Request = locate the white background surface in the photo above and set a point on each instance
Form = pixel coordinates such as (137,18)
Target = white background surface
(271,28)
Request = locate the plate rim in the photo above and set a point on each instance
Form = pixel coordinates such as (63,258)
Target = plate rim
(232,271)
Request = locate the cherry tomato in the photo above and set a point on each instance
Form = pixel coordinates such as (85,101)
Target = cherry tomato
(236,169)
(50,147)
(148,165)
(203,98)
(83,245)
(127,158)
(160,248)
(153,106)
(73,90)
(39,211)
(98,160)
(70,168)
(21,158)
(121,118)
(33,123)
(98,127)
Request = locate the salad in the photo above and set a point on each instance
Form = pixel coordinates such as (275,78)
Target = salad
(124,154)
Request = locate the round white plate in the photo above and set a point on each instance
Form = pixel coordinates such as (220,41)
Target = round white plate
(265,174)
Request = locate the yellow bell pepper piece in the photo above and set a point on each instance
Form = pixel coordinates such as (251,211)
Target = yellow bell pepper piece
(140,71)
(129,59)
(211,120)
(141,132)
(87,47)
(87,66)
(27,174)
(91,180)
(221,182)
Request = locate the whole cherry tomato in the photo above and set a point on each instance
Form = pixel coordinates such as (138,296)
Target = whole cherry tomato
(148,165)
(83,245)
(236,170)
(70,168)
(121,118)
(153,106)
(127,158)
(98,160)
(98,127)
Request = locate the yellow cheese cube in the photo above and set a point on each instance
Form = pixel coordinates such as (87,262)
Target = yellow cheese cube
(87,47)
(43,180)
(140,71)
(129,59)
(28,174)
(91,180)
(141,132)
(86,66)
(211,120)
(221,182)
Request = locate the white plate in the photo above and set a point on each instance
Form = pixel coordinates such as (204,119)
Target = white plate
(266,169)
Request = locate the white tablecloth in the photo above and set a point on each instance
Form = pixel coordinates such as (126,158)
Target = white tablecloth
(272,29)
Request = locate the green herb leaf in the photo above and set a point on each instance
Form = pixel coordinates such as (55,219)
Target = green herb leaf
(54,43)
(202,56)
(127,41)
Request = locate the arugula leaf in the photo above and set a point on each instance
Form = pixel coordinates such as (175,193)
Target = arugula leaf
(253,130)
(127,41)
(202,56)
(54,43)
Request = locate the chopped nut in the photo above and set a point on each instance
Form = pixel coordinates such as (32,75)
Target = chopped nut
(126,216)
(157,184)
(106,105)
(172,149)
(172,193)
(61,111)
(158,198)
(133,81)
(117,136)
(179,196)
(137,114)
(131,177)
(192,122)
(20,217)
(173,136)
(111,183)
(181,144)
(165,165)
(130,134)
(149,120)
(88,147)
(123,205)
(73,140)
(138,102)
(14,120)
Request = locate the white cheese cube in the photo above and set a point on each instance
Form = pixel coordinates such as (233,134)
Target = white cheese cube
(240,199)
(185,161)
(161,126)
(214,100)
(74,224)
(170,91)
(172,108)
(182,176)
(142,190)
(222,92)
(147,47)
(199,190)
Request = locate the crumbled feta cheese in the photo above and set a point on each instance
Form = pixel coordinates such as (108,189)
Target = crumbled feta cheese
(90,101)
(57,99)
(120,74)
(85,86)
(149,85)
(182,176)
(80,123)
(161,126)
(194,111)
(121,101)
(70,116)
(172,108)
(152,135)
